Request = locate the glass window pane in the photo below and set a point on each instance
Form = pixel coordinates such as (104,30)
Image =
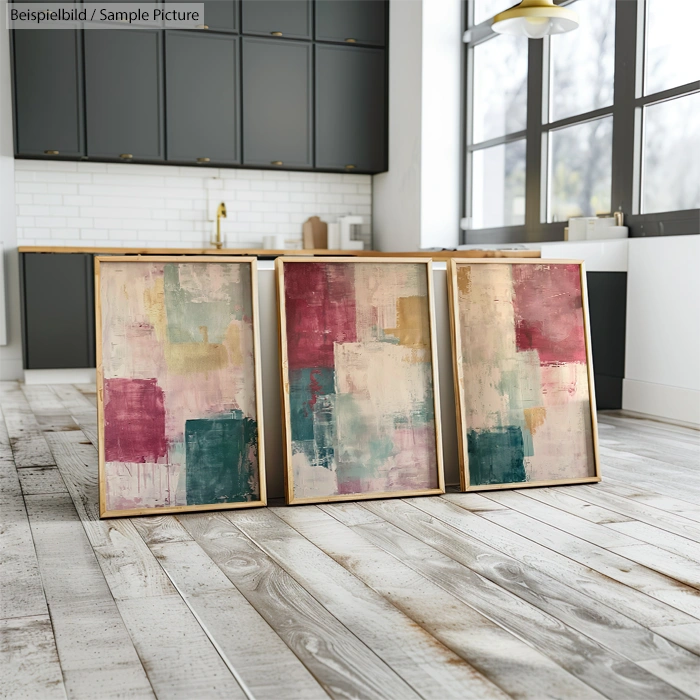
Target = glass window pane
(498,185)
(673,51)
(580,167)
(485,9)
(583,61)
(500,87)
(671,156)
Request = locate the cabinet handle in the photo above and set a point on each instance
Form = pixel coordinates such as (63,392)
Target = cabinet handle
(276,33)
(276,162)
(203,160)
(349,167)
(126,156)
(51,153)
(351,41)
(202,26)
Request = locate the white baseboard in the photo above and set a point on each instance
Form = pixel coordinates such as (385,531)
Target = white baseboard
(668,402)
(59,376)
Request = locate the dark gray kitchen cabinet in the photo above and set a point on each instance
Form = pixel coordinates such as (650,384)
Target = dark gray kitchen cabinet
(350,109)
(48,92)
(202,97)
(124,94)
(221,15)
(352,21)
(277,103)
(58,320)
(280,18)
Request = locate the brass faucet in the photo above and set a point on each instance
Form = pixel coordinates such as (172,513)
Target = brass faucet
(221,211)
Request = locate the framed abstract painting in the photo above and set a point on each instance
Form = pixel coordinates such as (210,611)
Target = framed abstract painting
(179,393)
(523,373)
(359,379)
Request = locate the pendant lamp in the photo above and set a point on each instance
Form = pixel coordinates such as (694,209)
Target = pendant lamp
(535,19)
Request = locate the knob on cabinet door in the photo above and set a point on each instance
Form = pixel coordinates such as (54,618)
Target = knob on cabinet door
(203,160)
(51,153)
(126,156)
(276,162)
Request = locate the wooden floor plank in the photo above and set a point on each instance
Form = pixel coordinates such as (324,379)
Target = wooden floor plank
(179,658)
(74,400)
(261,660)
(36,480)
(674,505)
(661,539)
(339,661)
(94,647)
(651,556)
(638,511)
(652,482)
(42,399)
(600,668)
(626,599)
(29,666)
(678,595)
(511,664)
(26,438)
(430,668)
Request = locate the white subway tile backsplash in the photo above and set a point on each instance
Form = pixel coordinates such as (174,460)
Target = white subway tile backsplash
(124,204)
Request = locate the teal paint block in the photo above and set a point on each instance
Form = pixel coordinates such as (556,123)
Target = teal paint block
(305,387)
(219,467)
(496,456)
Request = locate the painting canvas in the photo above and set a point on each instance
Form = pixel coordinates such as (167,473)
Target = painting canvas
(178,385)
(523,373)
(359,379)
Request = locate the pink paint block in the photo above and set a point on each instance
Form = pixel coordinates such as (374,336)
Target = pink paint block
(547,303)
(134,421)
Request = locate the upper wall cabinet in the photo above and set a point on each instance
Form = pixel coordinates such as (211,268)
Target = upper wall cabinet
(48,81)
(277,103)
(279,18)
(220,15)
(202,97)
(124,94)
(351,21)
(350,109)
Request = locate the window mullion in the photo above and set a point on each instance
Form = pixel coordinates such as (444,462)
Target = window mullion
(626,140)
(533,157)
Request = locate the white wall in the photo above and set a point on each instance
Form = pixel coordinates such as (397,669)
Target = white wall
(662,356)
(416,203)
(124,204)
(10,354)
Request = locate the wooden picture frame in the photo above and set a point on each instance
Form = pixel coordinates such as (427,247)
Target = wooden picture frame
(462,387)
(101,264)
(293,499)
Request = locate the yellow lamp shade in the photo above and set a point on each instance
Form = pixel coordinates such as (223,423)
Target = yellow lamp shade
(535,19)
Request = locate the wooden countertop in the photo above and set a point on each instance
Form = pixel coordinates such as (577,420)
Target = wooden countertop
(256,252)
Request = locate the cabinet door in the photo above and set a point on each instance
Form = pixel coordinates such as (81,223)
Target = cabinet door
(202,97)
(277,112)
(124,94)
(58,310)
(352,21)
(350,109)
(48,87)
(221,15)
(287,18)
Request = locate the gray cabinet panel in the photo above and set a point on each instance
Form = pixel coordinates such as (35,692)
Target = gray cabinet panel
(58,319)
(124,93)
(277,103)
(202,84)
(221,15)
(286,18)
(48,91)
(352,21)
(350,109)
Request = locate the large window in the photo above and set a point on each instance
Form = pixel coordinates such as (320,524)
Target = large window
(601,119)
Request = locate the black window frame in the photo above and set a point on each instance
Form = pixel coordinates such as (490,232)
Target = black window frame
(627,134)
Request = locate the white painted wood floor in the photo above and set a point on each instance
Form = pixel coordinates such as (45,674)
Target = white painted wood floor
(570,592)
